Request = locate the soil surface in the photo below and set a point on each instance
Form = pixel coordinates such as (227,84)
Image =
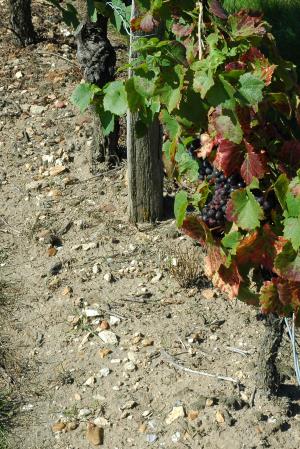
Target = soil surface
(105,334)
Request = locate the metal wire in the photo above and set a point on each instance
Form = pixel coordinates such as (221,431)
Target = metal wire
(291,332)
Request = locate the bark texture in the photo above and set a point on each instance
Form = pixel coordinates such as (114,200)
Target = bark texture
(145,172)
(267,379)
(145,167)
(21,22)
(97,58)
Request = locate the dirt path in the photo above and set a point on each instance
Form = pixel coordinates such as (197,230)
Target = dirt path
(98,310)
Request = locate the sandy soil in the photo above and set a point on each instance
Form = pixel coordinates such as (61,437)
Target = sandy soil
(99,321)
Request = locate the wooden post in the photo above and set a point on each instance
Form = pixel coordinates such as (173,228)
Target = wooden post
(145,168)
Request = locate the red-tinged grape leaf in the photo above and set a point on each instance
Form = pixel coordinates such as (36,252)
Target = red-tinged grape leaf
(290,154)
(194,227)
(229,157)
(262,67)
(288,292)
(258,248)
(181,30)
(269,299)
(254,165)
(235,65)
(217,9)
(287,263)
(244,210)
(228,280)
(135,24)
(246,24)
(252,54)
(213,260)
(148,23)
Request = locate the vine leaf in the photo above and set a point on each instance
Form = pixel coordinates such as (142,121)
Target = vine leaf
(213,260)
(180,206)
(292,231)
(195,228)
(258,249)
(280,296)
(281,187)
(203,81)
(229,157)
(254,165)
(115,98)
(251,88)
(228,279)
(244,25)
(290,156)
(244,210)
(228,129)
(287,263)
(217,10)
(83,95)
(148,23)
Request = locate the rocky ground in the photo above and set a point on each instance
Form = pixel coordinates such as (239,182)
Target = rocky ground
(112,351)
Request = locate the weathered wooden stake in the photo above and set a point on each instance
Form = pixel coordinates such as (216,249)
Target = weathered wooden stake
(145,168)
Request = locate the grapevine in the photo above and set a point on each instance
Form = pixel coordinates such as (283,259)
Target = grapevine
(229,106)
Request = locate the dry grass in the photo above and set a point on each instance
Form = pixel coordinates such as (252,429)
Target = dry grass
(185,264)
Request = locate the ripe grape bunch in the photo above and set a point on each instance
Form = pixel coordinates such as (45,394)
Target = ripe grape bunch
(214,211)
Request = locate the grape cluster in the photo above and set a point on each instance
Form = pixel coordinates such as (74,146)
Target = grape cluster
(213,213)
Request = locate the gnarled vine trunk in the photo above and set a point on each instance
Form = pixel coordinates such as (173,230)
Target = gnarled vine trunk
(267,378)
(21,22)
(97,58)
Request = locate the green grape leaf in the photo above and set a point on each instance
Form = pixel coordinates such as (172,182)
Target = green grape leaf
(187,165)
(244,210)
(134,98)
(231,241)
(107,120)
(115,98)
(251,88)
(293,204)
(180,206)
(292,231)
(83,95)
(229,129)
(281,188)
(203,81)
(171,124)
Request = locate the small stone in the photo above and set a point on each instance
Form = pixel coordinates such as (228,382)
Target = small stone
(156,278)
(108,337)
(77,397)
(114,320)
(33,185)
(208,293)
(91,313)
(84,412)
(55,269)
(59,104)
(177,412)
(35,109)
(108,277)
(90,245)
(104,352)
(146,413)
(96,268)
(220,418)
(104,372)
(58,427)
(104,325)
(209,402)
(130,366)
(151,438)
(147,342)
(90,381)
(94,434)
(72,425)
(128,405)
(57,170)
(52,251)
(67,291)
(101,422)
(143,428)
(192,415)
(175,437)
(19,75)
